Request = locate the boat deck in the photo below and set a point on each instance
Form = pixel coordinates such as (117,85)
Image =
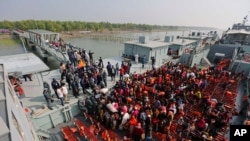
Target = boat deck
(34,100)
(35,104)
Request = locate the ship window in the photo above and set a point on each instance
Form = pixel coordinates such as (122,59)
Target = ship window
(18,127)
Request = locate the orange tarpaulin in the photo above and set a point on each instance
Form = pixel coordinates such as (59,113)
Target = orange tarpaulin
(81,64)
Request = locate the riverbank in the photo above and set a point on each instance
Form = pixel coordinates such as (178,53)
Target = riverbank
(7,41)
(5,36)
(105,34)
(90,34)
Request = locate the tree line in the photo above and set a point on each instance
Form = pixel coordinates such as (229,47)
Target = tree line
(59,26)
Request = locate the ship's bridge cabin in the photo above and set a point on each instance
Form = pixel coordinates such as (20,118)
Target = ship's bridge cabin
(161,49)
(239,34)
(144,46)
(198,35)
(179,46)
(202,38)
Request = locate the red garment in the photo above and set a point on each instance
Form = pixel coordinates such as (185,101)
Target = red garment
(124,109)
(136,76)
(138,131)
(104,135)
(122,71)
(135,113)
(126,92)
(201,124)
(120,91)
(19,89)
(133,121)
(164,70)
(160,79)
(125,68)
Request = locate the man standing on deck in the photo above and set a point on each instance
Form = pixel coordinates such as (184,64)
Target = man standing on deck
(129,67)
(104,76)
(136,58)
(60,95)
(100,64)
(117,68)
(75,88)
(27,76)
(143,61)
(48,97)
(113,72)
(91,56)
(69,77)
(108,67)
(153,61)
(55,84)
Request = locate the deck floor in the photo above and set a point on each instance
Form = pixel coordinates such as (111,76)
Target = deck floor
(34,97)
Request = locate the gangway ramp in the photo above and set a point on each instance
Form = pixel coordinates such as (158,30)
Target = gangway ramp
(20,33)
(50,43)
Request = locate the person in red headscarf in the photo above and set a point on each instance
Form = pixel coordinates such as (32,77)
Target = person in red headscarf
(201,124)
(18,88)
(132,123)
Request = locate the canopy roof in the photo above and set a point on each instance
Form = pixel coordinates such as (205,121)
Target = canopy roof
(23,63)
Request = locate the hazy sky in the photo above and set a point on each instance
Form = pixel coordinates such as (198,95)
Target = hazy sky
(209,13)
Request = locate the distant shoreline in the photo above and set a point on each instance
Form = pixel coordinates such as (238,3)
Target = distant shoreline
(78,34)
(91,34)
(5,36)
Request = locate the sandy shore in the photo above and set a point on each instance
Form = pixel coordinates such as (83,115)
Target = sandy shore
(75,34)
(72,34)
(5,36)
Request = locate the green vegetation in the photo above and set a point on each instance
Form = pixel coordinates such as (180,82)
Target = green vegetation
(58,26)
(8,41)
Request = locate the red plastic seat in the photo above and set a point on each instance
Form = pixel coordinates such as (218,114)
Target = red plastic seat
(68,134)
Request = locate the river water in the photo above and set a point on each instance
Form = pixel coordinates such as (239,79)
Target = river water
(101,48)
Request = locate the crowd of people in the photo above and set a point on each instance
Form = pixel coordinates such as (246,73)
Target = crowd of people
(156,101)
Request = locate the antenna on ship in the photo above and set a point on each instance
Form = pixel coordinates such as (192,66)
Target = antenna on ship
(245,19)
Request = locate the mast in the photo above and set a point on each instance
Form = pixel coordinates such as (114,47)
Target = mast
(245,19)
